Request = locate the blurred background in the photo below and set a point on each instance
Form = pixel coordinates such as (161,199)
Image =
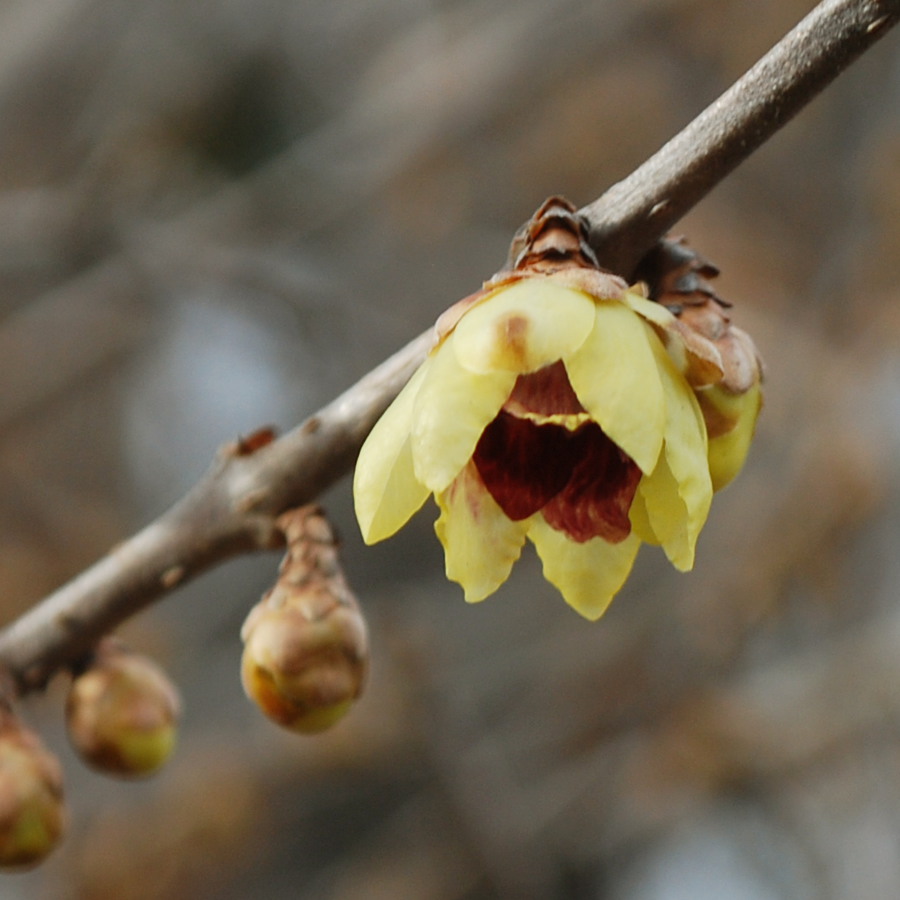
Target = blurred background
(217,215)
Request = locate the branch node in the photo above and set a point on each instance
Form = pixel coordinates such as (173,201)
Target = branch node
(172,576)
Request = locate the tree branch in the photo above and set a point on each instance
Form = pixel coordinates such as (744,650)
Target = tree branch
(633,214)
(233,508)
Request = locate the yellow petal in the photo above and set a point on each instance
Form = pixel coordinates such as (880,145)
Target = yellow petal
(650,310)
(480,542)
(523,327)
(695,357)
(453,406)
(588,575)
(616,377)
(640,518)
(385,490)
(728,452)
(686,462)
(667,521)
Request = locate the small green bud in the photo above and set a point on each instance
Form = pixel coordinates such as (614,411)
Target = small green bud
(32,814)
(306,643)
(122,713)
(305,672)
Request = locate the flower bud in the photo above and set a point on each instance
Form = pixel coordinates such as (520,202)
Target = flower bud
(305,673)
(730,422)
(122,713)
(680,279)
(305,644)
(32,814)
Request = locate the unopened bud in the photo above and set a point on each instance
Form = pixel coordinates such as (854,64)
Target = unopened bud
(32,814)
(730,423)
(305,644)
(679,278)
(122,713)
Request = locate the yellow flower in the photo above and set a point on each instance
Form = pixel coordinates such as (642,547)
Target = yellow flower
(549,413)
(559,406)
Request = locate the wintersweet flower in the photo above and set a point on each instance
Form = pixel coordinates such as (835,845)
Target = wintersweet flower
(556,406)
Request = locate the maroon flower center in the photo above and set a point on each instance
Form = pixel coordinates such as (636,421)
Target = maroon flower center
(579,479)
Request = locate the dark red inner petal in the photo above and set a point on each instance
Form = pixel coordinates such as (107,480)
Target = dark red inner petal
(596,500)
(523,465)
(546,392)
(580,479)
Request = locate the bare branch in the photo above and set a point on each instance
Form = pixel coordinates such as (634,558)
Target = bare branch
(234,507)
(633,214)
(231,510)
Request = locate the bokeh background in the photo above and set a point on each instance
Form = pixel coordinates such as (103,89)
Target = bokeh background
(216,215)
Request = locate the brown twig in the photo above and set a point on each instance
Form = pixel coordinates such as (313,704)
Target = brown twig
(633,214)
(234,507)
